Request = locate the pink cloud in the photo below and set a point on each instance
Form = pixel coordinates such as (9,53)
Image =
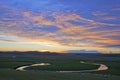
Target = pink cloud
(69,34)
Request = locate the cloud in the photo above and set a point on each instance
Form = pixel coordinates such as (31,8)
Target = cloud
(9,38)
(64,28)
(104,16)
(114,46)
(116,9)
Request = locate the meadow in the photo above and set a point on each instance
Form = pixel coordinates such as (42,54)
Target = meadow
(59,62)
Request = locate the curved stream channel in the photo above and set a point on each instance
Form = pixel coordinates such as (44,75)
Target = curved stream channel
(102,67)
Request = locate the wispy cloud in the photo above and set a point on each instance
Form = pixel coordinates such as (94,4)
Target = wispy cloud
(116,9)
(64,28)
(104,16)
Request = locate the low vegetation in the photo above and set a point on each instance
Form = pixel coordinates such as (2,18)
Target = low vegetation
(59,62)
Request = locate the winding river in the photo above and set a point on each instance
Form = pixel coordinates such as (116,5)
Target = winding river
(22,68)
(102,67)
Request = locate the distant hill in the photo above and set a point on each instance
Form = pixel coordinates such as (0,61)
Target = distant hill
(84,51)
(37,54)
(26,54)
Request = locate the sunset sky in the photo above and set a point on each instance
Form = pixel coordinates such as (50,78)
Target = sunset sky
(60,25)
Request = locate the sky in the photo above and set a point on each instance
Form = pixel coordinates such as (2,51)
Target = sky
(60,25)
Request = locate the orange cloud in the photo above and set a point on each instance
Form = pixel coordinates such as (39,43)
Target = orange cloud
(68,33)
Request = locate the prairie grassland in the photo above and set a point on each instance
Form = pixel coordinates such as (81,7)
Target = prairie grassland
(59,62)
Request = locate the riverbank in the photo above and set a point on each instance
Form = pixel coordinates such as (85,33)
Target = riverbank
(102,67)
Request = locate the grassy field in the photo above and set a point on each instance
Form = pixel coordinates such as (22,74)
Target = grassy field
(35,75)
(59,62)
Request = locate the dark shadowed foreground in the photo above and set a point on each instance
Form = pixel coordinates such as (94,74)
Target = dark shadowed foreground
(69,62)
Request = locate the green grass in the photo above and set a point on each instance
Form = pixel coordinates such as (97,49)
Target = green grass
(65,66)
(32,75)
(114,67)
(56,64)
(8,64)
